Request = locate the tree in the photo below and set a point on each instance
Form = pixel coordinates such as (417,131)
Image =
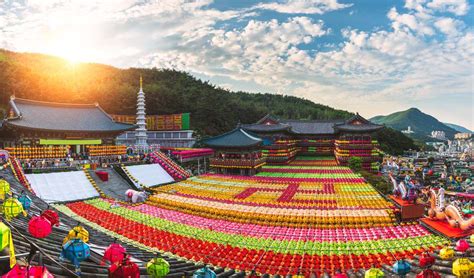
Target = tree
(355,163)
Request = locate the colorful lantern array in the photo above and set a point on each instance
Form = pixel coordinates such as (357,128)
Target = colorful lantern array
(158,267)
(39,227)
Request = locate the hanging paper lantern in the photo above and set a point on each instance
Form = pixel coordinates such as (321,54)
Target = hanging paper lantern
(52,216)
(12,208)
(426,260)
(39,272)
(157,267)
(75,250)
(77,232)
(25,201)
(127,269)
(4,189)
(204,272)
(114,253)
(462,245)
(340,275)
(401,267)
(428,273)
(446,253)
(463,268)
(39,227)
(28,271)
(7,240)
(374,273)
(472,238)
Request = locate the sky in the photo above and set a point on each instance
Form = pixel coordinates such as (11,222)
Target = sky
(368,56)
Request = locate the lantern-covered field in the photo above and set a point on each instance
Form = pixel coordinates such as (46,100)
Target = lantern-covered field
(323,219)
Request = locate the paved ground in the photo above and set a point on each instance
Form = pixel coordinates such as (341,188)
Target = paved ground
(115,187)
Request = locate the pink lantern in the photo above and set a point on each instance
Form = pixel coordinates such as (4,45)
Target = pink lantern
(39,227)
(28,271)
(462,245)
(114,253)
(52,216)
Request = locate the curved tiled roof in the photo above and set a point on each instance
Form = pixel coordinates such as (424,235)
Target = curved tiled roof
(52,116)
(357,123)
(266,127)
(236,138)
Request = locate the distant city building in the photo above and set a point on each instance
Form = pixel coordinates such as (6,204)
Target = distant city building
(408,130)
(438,134)
(462,136)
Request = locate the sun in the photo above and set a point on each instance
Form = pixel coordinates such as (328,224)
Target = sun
(69,47)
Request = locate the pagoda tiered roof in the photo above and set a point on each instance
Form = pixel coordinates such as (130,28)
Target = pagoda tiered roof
(51,116)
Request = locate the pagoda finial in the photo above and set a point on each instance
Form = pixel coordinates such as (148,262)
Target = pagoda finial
(141,82)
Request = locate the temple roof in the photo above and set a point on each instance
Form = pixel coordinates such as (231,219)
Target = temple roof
(357,123)
(237,138)
(271,123)
(39,115)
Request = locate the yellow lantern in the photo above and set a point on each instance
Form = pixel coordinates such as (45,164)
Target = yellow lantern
(4,189)
(77,232)
(12,208)
(446,253)
(472,238)
(463,268)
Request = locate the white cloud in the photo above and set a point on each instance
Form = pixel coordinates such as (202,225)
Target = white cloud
(457,7)
(303,6)
(448,26)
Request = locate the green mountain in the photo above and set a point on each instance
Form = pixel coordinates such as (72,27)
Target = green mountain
(213,110)
(421,124)
(458,128)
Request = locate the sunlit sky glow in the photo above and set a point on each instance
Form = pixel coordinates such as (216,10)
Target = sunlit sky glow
(374,57)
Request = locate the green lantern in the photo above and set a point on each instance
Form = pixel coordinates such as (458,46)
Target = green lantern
(4,189)
(374,273)
(158,267)
(12,208)
(6,240)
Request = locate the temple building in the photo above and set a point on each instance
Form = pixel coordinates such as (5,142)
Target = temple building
(282,140)
(236,152)
(39,125)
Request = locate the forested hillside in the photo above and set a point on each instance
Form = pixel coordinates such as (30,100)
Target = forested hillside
(213,110)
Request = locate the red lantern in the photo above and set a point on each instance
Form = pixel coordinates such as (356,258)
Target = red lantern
(125,269)
(39,227)
(426,260)
(52,216)
(428,273)
(115,253)
(462,245)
